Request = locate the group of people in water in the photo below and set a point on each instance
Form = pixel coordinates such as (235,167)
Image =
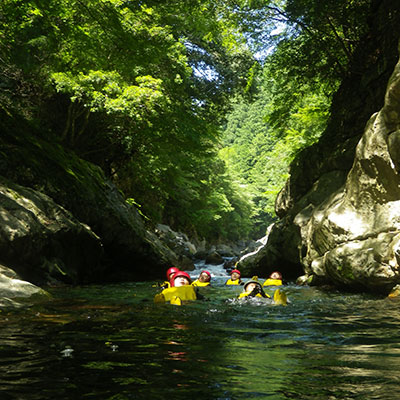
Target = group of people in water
(179,286)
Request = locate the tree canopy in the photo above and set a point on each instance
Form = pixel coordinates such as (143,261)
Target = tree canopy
(194,109)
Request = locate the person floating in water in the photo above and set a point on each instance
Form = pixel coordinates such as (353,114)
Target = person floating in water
(253,289)
(180,278)
(235,278)
(275,279)
(204,279)
(180,290)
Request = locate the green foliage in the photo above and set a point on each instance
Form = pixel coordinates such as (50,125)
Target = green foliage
(141,89)
(314,40)
(307,48)
(262,138)
(138,88)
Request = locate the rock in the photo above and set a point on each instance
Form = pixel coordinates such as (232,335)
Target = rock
(225,251)
(346,232)
(354,236)
(178,242)
(271,250)
(42,240)
(201,255)
(185,263)
(119,248)
(251,247)
(230,264)
(13,289)
(214,258)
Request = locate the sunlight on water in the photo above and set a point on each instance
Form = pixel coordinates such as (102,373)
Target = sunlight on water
(113,342)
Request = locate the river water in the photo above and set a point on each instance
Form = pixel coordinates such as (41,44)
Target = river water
(113,342)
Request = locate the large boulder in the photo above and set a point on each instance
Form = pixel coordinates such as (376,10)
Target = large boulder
(43,241)
(179,243)
(278,250)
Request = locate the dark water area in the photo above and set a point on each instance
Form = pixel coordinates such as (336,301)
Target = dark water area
(113,342)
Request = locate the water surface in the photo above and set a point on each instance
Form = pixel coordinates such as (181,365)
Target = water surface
(113,342)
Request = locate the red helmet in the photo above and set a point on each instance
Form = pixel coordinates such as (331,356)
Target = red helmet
(178,274)
(206,272)
(235,270)
(172,270)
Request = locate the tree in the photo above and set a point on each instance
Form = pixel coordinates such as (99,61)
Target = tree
(138,88)
(262,137)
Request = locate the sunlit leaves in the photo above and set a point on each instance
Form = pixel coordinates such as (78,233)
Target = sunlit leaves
(108,92)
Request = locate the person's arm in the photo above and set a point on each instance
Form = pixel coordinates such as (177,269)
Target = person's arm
(258,290)
(198,294)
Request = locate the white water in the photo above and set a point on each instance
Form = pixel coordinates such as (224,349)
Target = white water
(218,273)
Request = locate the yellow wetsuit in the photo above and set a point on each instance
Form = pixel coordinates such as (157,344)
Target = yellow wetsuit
(183,292)
(198,283)
(272,282)
(231,282)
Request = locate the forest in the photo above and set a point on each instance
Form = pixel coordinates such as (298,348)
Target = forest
(193,109)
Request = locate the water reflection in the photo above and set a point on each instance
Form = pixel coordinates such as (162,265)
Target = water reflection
(112,342)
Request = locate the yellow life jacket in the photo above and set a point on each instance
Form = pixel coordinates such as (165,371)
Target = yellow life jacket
(198,283)
(183,292)
(280,298)
(272,282)
(231,282)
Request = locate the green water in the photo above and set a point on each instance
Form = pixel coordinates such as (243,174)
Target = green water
(113,342)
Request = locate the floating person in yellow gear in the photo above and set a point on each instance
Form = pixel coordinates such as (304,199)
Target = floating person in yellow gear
(253,289)
(179,291)
(204,279)
(235,278)
(275,279)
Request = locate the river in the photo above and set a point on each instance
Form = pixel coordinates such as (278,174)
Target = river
(112,342)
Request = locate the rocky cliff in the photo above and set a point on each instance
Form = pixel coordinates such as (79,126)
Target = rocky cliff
(62,220)
(339,211)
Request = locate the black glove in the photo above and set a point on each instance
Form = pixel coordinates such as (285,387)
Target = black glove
(258,290)
(255,291)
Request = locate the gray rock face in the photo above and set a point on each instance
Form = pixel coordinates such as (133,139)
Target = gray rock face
(44,243)
(42,240)
(13,289)
(353,237)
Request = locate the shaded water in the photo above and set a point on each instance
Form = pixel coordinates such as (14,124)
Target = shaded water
(113,342)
